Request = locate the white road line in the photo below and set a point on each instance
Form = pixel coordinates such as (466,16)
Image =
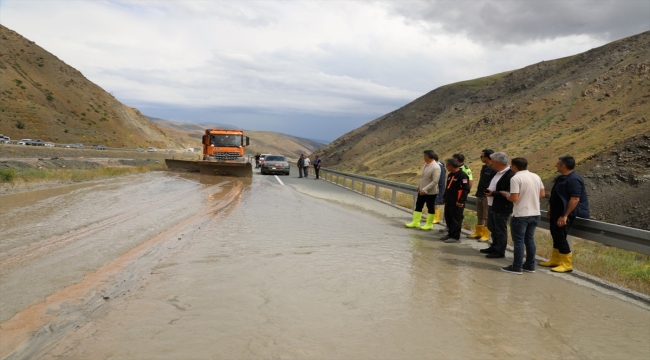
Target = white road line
(280,181)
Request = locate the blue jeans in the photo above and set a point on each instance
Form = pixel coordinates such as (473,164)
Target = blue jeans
(522,230)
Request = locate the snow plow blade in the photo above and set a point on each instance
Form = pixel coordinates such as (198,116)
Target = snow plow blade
(217,168)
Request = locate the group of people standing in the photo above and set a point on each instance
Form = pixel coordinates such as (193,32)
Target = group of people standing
(505,191)
(304,163)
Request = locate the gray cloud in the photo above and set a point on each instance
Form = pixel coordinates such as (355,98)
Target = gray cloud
(517,22)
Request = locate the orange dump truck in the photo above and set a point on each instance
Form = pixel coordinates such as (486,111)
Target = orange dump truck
(223,154)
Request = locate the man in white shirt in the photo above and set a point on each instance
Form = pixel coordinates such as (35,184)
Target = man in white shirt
(526,188)
(305,166)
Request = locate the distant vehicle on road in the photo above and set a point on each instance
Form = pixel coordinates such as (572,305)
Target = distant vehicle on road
(49,144)
(275,164)
(77,146)
(151,149)
(5,139)
(140,150)
(24,142)
(36,142)
(98,147)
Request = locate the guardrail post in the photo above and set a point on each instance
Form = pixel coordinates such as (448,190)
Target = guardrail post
(376,191)
(353,187)
(415,200)
(363,188)
(393,198)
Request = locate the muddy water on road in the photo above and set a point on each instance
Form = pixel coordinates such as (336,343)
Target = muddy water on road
(51,238)
(282,275)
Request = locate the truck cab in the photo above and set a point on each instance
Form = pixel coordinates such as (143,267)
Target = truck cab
(224,144)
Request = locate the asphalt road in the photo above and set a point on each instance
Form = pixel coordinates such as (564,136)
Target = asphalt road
(289,268)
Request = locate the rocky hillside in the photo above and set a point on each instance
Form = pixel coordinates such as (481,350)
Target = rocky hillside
(261,141)
(42,97)
(618,182)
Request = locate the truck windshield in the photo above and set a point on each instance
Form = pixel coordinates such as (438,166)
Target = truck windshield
(225,140)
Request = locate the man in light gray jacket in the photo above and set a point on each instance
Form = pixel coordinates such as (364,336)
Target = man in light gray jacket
(427,192)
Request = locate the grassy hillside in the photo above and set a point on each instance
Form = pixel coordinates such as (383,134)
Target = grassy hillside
(578,105)
(42,97)
(584,105)
(263,142)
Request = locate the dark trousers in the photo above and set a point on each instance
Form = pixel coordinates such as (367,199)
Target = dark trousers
(498,226)
(317,170)
(305,170)
(429,200)
(559,234)
(454,216)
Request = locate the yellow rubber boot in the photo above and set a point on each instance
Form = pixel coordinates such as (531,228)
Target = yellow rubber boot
(417,216)
(429,224)
(485,234)
(477,232)
(554,261)
(566,264)
(436,217)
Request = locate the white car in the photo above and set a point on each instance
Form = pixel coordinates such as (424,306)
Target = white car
(24,141)
(5,139)
(151,149)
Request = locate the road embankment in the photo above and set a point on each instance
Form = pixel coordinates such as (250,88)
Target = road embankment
(24,168)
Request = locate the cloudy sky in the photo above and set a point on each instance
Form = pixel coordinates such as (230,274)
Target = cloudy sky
(315,69)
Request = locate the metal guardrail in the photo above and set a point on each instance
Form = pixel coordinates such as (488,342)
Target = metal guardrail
(618,236)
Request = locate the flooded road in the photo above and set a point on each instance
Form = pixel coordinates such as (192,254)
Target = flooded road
(177,269)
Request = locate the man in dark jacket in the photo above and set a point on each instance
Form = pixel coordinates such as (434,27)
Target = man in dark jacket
(499,207)
(301,164)
(568,201)
(481,232)
(454,198)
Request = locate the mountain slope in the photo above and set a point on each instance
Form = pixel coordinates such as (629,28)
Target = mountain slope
(42,97)
(263,142)
(577,105)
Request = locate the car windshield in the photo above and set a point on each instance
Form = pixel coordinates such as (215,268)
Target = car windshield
(275,158)
(225,140)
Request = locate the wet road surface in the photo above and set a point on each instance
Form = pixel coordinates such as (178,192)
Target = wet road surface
(271,271)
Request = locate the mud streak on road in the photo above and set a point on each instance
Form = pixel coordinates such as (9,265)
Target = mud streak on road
(27,322)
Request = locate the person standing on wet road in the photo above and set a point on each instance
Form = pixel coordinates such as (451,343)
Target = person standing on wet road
(568,201)
(465,168)
(481,231)
(305,166)
(455,196)
(441,190)
(317,163)
(427,192)
(257,160)
(526,188)
(301,163)
(499,208)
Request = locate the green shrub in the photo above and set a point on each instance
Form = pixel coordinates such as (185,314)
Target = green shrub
(7,175)
(20,124)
